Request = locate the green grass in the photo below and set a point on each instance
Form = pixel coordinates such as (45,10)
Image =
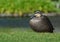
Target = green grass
(26,35)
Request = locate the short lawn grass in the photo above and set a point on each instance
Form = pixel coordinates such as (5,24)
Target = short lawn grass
(26,35)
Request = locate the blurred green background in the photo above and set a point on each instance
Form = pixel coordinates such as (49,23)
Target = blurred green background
(25,6)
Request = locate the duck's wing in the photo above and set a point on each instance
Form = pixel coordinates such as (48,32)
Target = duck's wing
(49,22)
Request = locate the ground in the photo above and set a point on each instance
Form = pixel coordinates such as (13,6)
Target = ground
(26,35)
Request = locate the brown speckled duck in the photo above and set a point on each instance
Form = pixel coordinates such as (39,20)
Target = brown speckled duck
(40,23)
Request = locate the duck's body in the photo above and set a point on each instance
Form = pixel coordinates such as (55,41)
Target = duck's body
(41,24)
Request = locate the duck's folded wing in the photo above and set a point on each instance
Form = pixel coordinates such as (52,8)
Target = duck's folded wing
(49,22)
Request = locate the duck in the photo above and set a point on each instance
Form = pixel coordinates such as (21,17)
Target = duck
(40,22)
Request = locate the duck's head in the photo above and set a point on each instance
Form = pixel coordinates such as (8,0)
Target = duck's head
(38,13)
